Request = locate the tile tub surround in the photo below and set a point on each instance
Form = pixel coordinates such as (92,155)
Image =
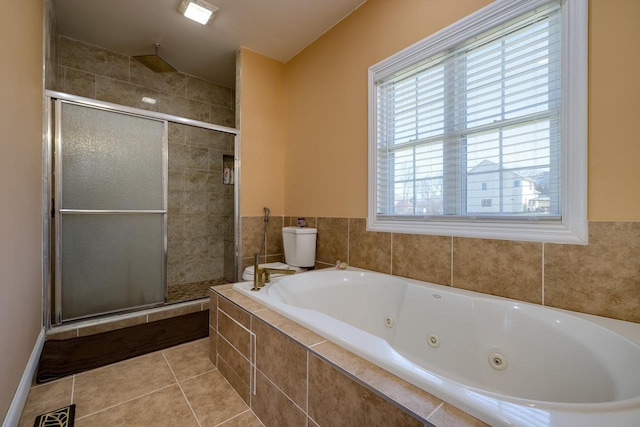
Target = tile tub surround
(302,379)
(252,229)
(253,239)
(601,278)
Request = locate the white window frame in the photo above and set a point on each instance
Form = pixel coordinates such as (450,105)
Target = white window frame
(573,228)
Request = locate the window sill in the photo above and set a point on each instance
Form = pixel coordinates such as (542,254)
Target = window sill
(544,232)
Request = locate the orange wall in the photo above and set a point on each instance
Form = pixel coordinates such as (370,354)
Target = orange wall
(614,110)
(326,104)
(262,134)
(20,190)
(326,108)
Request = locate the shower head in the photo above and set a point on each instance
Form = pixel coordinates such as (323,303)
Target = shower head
(267,212)
(154,62)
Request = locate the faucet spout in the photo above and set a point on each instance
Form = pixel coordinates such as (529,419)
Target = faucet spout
(262,275)
(256,268)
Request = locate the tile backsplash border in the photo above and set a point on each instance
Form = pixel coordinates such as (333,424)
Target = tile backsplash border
(601,278)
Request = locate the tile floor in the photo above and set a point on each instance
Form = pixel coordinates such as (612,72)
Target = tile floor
(178,386)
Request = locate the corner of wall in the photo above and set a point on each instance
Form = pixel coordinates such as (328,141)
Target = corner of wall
(262,131)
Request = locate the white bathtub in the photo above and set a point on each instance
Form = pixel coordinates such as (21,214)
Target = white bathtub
(505,362)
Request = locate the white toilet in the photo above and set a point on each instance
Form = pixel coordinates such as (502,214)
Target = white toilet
(299,251)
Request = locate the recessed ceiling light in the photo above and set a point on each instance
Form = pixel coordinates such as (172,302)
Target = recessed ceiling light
(198,10)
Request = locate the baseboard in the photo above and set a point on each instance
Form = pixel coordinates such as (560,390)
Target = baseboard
(20,398)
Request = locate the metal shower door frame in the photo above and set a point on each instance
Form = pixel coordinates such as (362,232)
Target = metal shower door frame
(58,211)
(50,96)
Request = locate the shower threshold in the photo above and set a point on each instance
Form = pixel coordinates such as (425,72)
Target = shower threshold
(181,299)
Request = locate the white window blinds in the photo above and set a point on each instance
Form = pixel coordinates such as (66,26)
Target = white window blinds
(474,132)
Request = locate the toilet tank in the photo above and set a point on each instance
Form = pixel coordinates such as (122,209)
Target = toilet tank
(299,246)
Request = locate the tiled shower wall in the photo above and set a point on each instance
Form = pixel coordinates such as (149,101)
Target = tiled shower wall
(98,73)
(200,219)
(601,278)
(50,47)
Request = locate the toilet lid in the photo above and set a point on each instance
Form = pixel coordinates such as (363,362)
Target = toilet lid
(299,230)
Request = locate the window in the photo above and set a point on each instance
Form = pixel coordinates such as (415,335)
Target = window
(479,116)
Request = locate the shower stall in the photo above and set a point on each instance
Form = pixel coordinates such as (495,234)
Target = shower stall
(141,212)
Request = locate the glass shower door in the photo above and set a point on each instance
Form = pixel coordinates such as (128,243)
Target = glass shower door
(111,206)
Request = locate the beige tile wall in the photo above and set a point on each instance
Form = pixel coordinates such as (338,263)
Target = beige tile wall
(295,377)
(200,219)
(98,73)
(254,239)
(51,47)
(601,278)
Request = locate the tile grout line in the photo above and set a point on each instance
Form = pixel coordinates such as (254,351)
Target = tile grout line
(126,401)
(253,362)
(542,291)
(435,410)
(318,343)
(121,362)
(235,321)
(391,255)
(233,347)
(451,279)
(252,368)
(348,241)
(181,390)
(217,309)
(307,383)
(281,391)
(238,394)
(199,375)
(235,416)
(73,387)
(36,386)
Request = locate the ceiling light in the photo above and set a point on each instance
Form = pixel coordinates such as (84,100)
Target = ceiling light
(198,10)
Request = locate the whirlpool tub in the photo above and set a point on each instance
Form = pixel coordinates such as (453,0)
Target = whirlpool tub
(503,361)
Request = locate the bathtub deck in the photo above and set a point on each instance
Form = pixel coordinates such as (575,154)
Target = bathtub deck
(300,384)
